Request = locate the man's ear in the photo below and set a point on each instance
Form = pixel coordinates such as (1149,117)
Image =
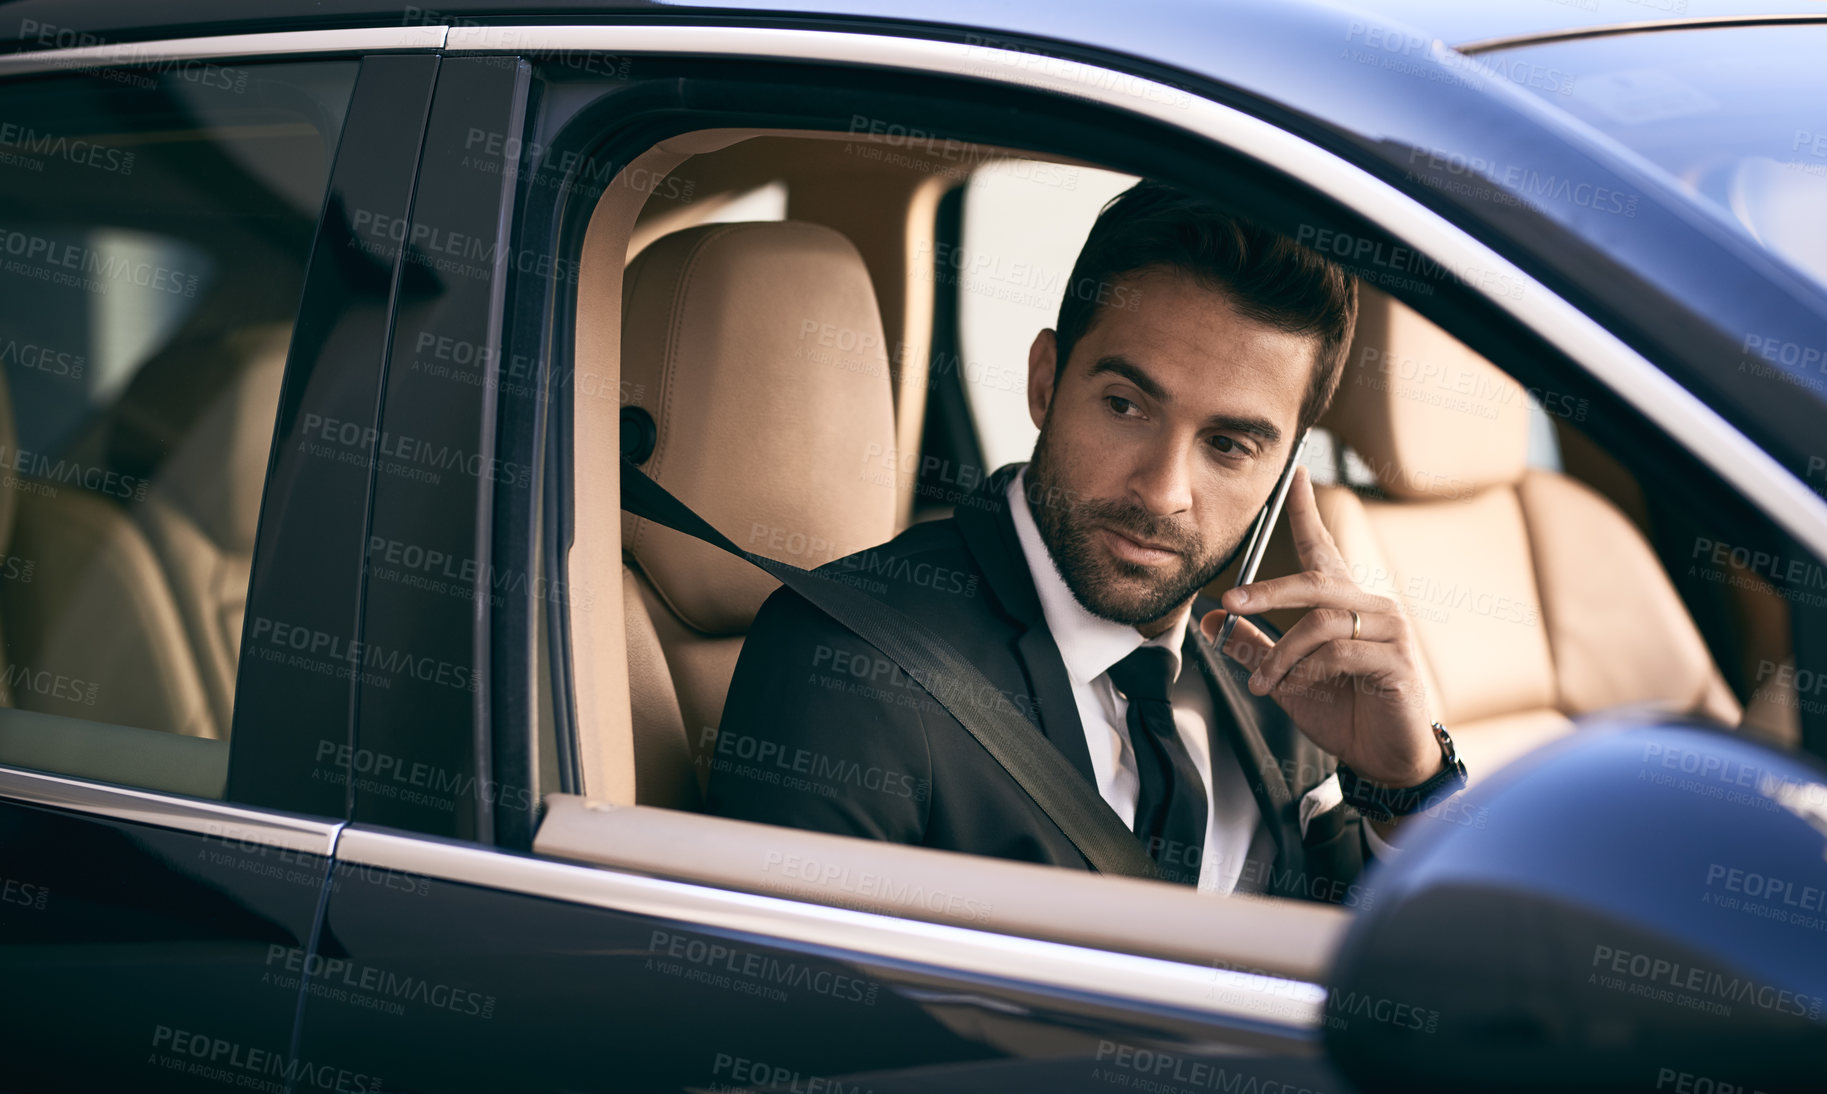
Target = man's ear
(1043,360)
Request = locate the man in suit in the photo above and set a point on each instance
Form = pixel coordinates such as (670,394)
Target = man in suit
(1192,350)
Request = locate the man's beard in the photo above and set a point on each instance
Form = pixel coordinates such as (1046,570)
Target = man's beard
(1068,526)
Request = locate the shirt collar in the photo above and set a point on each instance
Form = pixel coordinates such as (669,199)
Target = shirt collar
(1088,644)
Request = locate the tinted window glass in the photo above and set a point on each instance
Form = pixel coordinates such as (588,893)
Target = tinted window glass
(154,230)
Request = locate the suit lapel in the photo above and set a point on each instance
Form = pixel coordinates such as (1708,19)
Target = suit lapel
(989,533)
(1242,733)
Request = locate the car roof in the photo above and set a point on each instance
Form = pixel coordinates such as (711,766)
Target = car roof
(1455,23)
(1460,24)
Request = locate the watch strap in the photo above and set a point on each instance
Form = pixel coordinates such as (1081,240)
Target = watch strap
(1386,803)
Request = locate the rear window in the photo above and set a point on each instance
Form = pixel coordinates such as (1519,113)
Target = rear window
(155,224)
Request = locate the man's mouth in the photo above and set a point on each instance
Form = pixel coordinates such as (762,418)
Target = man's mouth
(1139,551)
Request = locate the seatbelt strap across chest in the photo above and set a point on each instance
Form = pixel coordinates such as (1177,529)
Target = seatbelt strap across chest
(956,684)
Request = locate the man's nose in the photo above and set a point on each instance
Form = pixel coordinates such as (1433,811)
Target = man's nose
(1164,482)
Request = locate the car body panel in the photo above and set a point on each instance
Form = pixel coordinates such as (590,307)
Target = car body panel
(631,984)
(293,745)
(139,931)
(420,713)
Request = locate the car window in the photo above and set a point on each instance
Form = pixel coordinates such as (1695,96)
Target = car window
(1001,304)
(851,376)
(761,384)
(155,226)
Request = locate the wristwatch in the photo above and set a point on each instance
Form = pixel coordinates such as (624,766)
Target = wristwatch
(1386,803)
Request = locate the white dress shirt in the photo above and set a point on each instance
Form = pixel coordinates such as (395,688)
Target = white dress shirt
(1089,645)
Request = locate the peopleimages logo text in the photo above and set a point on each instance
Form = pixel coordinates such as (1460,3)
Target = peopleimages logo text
(391,661)
(413,450)
(70,149)
(1367,254)
(237,1064)
(96,480)
(93,263)
(1707,985)
(423,776)
(402,988)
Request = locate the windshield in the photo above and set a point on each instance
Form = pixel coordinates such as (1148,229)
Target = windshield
(1737,115)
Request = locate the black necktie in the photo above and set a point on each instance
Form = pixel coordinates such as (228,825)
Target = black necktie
(1170,810)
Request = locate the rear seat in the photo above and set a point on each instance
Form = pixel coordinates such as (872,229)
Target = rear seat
(762,428)
(202,510)
(93,632)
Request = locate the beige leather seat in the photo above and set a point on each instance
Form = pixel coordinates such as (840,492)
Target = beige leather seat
(1532,597)
(91,628)
(757,349)
(202,510)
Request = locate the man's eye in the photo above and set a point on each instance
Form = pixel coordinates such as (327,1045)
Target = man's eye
(1228,446)
(1120,405)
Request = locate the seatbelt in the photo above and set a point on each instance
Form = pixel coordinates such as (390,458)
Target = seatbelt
(956,684)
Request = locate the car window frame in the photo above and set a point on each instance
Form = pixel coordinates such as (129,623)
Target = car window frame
(1673,413)
(314,310)
(310,551)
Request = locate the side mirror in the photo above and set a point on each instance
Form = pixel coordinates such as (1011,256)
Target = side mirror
(1637,907)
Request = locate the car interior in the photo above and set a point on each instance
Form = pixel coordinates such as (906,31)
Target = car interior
(1520,548)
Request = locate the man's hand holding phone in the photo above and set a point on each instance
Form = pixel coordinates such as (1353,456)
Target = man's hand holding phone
(1347,673)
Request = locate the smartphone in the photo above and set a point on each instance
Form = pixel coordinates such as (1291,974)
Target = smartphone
(1259,535)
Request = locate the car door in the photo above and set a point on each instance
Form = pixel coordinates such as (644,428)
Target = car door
(451,964)
(192,354)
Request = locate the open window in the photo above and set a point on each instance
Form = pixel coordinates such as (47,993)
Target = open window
(1552,547)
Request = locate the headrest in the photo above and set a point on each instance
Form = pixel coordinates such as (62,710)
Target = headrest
(217,471)
(757,349)
(1431,418)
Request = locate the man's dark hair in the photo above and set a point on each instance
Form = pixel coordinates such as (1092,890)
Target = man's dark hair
(1267,276)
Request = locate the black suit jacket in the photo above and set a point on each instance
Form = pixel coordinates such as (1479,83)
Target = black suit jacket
(822,731)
